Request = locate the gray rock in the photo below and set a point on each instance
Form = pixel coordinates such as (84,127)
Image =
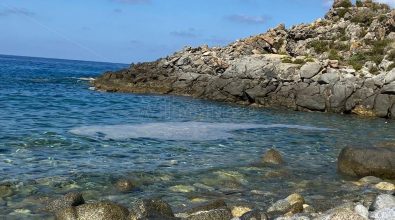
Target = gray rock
(150,209)
(389,77)
(383,214)
(311,102)
(310,69)
(389,89)
(280,207)
(254,215)
(360,162)
(330,77)
(208,210)
(362,211)
(383,201)
(382,105)
(68,200)
(216,214)
(272,156)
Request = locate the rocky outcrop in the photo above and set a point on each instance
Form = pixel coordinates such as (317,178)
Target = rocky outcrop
(373,161)
(343,63)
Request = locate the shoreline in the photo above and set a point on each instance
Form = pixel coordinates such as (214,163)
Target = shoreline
(343,63)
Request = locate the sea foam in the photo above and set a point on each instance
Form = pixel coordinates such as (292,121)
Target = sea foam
(189,131)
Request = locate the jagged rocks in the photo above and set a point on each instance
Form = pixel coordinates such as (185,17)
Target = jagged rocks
(324,66)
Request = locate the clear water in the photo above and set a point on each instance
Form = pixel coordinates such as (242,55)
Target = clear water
(57,136)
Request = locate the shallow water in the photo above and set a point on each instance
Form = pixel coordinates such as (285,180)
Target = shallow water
(57,136)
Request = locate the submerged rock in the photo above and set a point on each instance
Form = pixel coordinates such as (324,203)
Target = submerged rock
(125,185)
(6,191)
(272,156)
(360,162)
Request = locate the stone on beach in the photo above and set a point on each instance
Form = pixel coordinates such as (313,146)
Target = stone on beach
(150,209)
(96,211)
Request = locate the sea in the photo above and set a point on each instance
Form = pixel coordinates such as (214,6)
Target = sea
(59,135)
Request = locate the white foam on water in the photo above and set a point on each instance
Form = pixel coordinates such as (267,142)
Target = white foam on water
(189,131)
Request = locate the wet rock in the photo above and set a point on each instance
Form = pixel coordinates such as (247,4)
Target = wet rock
(125,185)
(207,211)
(96,211)
(292,204)
(370,180)
(360,162)
(255,215)
(216,214)
(150,209)
(68,200)
(6,191)
(272,156)
(383,201)
(385,186)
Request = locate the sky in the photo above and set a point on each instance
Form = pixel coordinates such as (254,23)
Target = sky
(126,31)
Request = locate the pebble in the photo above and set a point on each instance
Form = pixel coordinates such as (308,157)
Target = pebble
(238,211)
(385,186)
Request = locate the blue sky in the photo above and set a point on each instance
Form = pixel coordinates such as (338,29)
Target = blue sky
(139,30)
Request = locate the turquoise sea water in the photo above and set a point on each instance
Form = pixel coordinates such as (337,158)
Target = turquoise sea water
(57,135)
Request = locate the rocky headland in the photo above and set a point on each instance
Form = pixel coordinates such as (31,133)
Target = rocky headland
(343,63)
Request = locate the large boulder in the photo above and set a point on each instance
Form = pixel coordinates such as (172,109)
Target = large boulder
(369,161)
(310,69)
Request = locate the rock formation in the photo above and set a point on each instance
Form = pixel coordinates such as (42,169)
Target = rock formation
(343,63)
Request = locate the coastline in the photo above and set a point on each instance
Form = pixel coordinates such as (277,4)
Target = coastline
(337,64)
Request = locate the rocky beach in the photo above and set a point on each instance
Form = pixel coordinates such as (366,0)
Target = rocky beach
(343,63)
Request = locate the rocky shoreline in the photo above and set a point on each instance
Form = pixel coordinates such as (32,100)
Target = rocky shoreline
(343,63)
(377,204)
